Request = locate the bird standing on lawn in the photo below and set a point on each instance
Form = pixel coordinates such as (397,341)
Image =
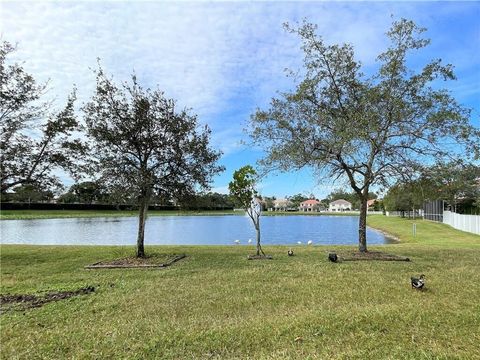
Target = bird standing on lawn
(290,252)
(418,283)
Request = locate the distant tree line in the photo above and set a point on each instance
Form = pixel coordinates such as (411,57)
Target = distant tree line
(456,183)
(90,192)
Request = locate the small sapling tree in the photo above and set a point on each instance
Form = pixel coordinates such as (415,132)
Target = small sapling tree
(242,188)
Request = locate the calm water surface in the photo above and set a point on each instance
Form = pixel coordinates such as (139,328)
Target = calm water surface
(187,230)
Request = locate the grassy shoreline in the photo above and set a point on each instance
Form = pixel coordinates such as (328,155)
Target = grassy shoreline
(216,304)
(59,214)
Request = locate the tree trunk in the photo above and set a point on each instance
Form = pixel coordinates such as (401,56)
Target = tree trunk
(259,247)
(362,225)
(142,217)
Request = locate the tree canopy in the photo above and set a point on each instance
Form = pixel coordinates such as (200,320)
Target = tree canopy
(365,129)
(86,192)
(34,140)
(31,193)
(297,199)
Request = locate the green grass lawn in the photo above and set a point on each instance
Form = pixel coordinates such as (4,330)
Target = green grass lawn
(216,304)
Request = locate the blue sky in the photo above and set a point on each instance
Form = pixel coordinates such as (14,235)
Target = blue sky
(225,59)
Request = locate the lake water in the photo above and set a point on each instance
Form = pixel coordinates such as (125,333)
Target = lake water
(187,230)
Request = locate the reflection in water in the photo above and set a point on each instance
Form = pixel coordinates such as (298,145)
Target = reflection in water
(187,230)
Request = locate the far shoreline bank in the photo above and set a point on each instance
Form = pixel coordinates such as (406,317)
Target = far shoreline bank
(60,214)
(64,214)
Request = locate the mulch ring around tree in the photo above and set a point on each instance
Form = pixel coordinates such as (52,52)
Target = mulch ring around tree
(369,255)
(151,261)
(22,302)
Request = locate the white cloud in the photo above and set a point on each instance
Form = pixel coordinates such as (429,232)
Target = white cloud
(206,55)
(220,59)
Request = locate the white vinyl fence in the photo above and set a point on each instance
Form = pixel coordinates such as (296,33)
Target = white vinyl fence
(470,223)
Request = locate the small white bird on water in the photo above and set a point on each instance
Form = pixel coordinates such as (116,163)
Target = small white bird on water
(299,242)
(310,242)
(249,241)
(236,241)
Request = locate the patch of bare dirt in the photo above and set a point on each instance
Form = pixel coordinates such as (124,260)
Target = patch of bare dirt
(370,255)
(150,261)
(27,301)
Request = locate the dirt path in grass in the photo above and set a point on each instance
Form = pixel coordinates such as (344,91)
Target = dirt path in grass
(27,301)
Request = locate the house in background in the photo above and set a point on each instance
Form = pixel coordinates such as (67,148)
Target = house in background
(340,205)
(281,204)
(371,204)
(309,205)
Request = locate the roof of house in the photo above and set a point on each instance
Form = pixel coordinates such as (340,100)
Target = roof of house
(371,202)
(310,201)
(340,202)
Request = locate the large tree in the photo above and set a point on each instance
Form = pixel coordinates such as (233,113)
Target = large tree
(87,192)
(34,140)
(366,129)
(142,144)
(31,193)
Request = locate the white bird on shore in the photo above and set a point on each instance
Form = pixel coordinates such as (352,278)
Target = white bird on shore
(249,241)
(310,242)
(236,241)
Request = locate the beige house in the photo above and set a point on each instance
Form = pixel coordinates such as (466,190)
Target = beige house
(281,204)
(340,205)
(309,205)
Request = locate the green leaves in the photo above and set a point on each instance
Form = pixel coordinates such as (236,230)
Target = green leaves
(143,144)
(369,130)
(242,188)
(27,158)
